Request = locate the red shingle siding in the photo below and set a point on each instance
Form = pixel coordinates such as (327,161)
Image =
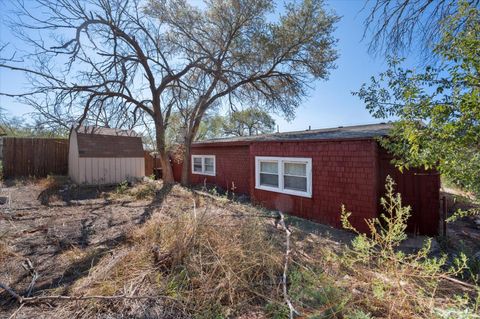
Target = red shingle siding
(343,172)
(231,165)
(419,189)
(350,172)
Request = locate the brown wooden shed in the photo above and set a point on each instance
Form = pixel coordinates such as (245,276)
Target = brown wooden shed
(100,155)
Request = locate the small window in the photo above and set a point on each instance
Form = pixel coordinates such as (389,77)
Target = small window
(269,173)
(197,164)
(203,164)
(289,175)
(295,176)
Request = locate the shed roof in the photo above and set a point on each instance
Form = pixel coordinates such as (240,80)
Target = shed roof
(342,132)
(94,141)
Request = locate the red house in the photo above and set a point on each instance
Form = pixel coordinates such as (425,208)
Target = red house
(311,173)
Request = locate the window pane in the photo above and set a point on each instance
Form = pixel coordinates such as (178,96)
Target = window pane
(269,180)
(209,161)
(209,164)
(299,169)
(295,183)
(269,167)
(197,164)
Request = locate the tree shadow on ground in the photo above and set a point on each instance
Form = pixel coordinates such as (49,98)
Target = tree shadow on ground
(70,193)
(157,202)
(61,283)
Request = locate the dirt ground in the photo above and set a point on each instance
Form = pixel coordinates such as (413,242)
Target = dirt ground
(64,231)
(53,228)
(58,233)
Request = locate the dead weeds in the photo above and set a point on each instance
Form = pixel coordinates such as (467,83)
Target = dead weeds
(210,264)
(194,256)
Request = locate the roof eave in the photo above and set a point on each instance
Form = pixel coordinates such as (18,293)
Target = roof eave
(312,140)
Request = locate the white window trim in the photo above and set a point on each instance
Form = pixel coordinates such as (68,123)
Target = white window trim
(281,161)
(203,172)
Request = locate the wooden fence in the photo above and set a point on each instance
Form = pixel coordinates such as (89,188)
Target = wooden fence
(152,165)
(34,157)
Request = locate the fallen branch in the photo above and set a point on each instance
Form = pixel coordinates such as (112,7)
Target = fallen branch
(462,283)
(14,314)
(293,311)
(11,292)
(28,266)
(26,300)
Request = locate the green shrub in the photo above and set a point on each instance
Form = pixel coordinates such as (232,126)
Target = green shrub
(318,294)
(403,284)
(122,187)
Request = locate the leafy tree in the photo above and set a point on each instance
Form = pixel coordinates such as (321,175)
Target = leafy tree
(248,122)
(18,127)
(130,62)
(438,109)
(211,127)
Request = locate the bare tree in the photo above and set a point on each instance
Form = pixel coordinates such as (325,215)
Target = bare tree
(396,26)
(121,63)
(249,60)
(107,61)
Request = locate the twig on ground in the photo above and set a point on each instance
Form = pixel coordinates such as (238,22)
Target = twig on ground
(462,283)
(26,300)
(11,292)
(28,266)
(293,311)
(16,312)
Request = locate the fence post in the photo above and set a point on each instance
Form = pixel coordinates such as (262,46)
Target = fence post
(444,215)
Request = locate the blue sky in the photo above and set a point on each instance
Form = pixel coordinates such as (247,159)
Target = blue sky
(329,104)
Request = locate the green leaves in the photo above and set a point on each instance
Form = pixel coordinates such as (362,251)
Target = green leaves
(438,109)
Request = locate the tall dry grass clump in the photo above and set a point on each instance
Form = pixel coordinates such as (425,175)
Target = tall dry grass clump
(208,265)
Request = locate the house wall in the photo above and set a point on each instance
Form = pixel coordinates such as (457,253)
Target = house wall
(231,166)
(349,172)
(98,170)
(419,189)
(343,172)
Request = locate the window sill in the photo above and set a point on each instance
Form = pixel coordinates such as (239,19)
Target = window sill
(284,191)
(206,174)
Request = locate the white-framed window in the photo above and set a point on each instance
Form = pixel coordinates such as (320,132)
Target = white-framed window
(288,175)
(203,164)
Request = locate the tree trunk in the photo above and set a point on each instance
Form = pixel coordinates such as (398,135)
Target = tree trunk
(186,162)
(167,172)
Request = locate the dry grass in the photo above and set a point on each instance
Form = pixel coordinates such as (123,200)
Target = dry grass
(393,284)
(5,250)
(138,191)
(222,259)
(212,265)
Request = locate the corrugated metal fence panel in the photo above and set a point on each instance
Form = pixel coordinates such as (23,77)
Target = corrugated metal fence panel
(34,157)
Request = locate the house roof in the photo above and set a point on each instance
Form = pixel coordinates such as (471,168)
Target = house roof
(94,141)
(342,132)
